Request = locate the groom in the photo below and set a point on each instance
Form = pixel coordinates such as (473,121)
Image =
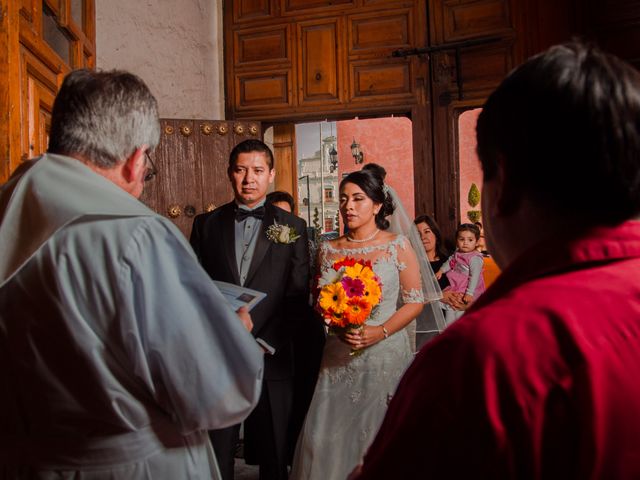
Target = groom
(232,245)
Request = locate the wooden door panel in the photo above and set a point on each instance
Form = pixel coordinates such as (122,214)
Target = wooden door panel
(614,25)
(609,12)
(178,181)
(300,6)
(33,71)
(469,19)
(215,148)
(54,5)
(192,159)
(387,3)
(247,10)
(267,89)
(260,46)
(313,74)
(386,80)
(484,68)
(28,9)
(44,123)
(319,67)
(372,32)
(39,85)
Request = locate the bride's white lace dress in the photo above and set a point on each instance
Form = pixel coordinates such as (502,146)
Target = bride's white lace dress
(353,392)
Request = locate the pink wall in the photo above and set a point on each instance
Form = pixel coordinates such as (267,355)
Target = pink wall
(470,170)
(385,141)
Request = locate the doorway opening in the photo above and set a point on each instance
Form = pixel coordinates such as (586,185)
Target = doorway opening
(470,176)
(330,150)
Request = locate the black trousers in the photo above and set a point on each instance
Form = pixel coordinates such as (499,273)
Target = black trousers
(308,345)
(265,433)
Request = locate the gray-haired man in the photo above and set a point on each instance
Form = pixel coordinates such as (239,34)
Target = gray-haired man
(109,327)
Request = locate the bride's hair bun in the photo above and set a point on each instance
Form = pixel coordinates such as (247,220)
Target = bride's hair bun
(376,169)
(371,180)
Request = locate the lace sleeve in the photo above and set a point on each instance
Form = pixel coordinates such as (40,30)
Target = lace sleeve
(410,281)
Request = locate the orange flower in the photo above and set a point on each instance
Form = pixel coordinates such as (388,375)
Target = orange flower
(336,319)
(357,311)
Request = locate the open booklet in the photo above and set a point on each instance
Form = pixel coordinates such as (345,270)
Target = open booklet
(239,296)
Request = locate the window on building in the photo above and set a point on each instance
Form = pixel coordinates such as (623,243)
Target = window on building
(328,194)
(329,224)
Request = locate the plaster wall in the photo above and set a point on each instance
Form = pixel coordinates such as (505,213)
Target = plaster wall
(385,141)
(176,47)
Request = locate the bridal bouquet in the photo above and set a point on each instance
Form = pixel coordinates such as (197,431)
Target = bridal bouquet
(349,293)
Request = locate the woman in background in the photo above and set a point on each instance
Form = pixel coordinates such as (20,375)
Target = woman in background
(437,254)
(433,244)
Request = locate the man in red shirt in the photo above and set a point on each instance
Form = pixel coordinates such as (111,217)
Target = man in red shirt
(541,378)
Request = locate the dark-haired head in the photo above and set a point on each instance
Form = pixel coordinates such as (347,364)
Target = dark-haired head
(279,196)
(563,129)
(441,251)
(376,169)
(469,227)
(249,146)
(373,187)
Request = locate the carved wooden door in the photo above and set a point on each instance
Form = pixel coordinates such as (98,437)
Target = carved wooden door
(192,159)
(40,42)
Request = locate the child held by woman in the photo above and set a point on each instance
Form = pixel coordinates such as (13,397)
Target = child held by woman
(464,269)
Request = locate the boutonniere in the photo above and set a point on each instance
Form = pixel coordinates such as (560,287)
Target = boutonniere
(280,233)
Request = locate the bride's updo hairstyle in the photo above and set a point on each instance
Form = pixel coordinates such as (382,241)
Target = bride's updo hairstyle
(371,181)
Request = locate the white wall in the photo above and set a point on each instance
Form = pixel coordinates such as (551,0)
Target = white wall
(176,47)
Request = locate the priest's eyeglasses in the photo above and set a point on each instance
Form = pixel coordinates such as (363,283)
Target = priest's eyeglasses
(151,172)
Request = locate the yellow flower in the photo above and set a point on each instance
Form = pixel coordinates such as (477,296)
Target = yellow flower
(359,271)
(372,292)
(333,297)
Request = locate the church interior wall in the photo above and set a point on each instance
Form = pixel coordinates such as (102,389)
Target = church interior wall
(175,47)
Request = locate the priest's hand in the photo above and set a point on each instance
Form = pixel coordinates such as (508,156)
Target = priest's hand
(245,318)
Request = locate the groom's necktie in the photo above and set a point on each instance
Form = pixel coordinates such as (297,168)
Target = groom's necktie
(243,214)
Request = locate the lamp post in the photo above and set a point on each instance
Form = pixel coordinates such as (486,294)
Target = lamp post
(358,155)
(333,159)
(321,178)
(308,199)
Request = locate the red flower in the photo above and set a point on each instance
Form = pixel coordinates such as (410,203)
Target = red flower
(344,262)
(353,287)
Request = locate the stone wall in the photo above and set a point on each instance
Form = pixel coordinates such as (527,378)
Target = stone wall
(175,46)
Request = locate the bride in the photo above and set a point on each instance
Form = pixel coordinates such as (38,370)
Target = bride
(353,391)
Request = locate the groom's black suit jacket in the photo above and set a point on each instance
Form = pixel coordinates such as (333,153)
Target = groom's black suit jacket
(279,270)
